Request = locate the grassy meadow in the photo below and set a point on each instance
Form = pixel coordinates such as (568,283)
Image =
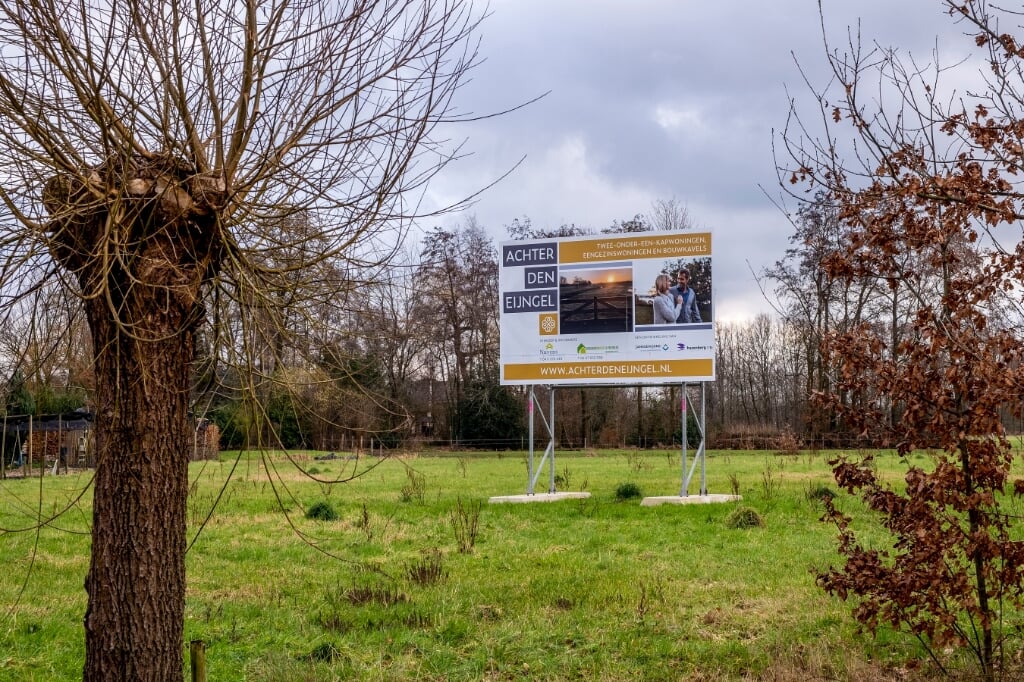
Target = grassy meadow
(419,578)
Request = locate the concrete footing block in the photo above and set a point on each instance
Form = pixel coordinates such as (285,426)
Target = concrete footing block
(537,497)
(689,499)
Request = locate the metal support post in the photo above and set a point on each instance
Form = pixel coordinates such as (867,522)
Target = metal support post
(682,409)
(699,456)
(703,458)
(551,431)
(549,424)
(529,461)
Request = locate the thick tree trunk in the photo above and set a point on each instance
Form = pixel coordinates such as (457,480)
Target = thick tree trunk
(141,255)
(136,582)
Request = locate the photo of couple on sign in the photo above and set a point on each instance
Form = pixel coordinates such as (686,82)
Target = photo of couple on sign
(681,294)
(608,299)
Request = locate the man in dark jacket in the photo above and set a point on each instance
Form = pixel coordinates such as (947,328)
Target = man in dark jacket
(689,311)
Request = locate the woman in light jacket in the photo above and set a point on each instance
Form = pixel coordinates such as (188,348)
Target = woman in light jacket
(666,308)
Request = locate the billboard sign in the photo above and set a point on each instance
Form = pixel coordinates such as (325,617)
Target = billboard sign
(609,309)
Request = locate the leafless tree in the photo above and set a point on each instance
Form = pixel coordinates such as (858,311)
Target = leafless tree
(670,214)
(455,300)
(153,158)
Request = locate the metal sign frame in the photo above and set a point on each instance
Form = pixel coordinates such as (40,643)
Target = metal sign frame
(532,473)
(685,404)
(699,456)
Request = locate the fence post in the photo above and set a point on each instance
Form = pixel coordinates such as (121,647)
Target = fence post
(27,464)
(197,656)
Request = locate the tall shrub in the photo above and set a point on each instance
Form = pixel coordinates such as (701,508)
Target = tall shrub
(922,210)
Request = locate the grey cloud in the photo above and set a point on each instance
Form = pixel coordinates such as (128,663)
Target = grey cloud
(595,148)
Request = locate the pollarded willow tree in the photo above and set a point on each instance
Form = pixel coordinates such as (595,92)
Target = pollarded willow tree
(155,158)
(930,202)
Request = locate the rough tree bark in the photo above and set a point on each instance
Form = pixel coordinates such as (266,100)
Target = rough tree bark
(142,301)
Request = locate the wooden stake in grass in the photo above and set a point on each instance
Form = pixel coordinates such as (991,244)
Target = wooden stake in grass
(197,657)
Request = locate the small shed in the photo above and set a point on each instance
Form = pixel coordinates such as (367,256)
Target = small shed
(66,439)
(207,440)
(51,438)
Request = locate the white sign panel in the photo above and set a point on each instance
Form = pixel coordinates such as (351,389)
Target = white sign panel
(618,309)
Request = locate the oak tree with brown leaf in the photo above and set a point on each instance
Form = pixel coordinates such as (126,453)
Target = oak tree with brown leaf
(930,201)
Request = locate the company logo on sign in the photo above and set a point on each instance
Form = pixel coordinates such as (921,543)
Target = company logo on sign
(549,351)
(583,350)
(548,324)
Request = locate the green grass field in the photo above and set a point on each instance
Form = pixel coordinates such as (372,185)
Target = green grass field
(591,589)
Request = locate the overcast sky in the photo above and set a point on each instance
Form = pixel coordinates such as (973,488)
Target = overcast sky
(658,99)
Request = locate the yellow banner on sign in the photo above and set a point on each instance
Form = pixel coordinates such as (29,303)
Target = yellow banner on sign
(645,370)
(640,246)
